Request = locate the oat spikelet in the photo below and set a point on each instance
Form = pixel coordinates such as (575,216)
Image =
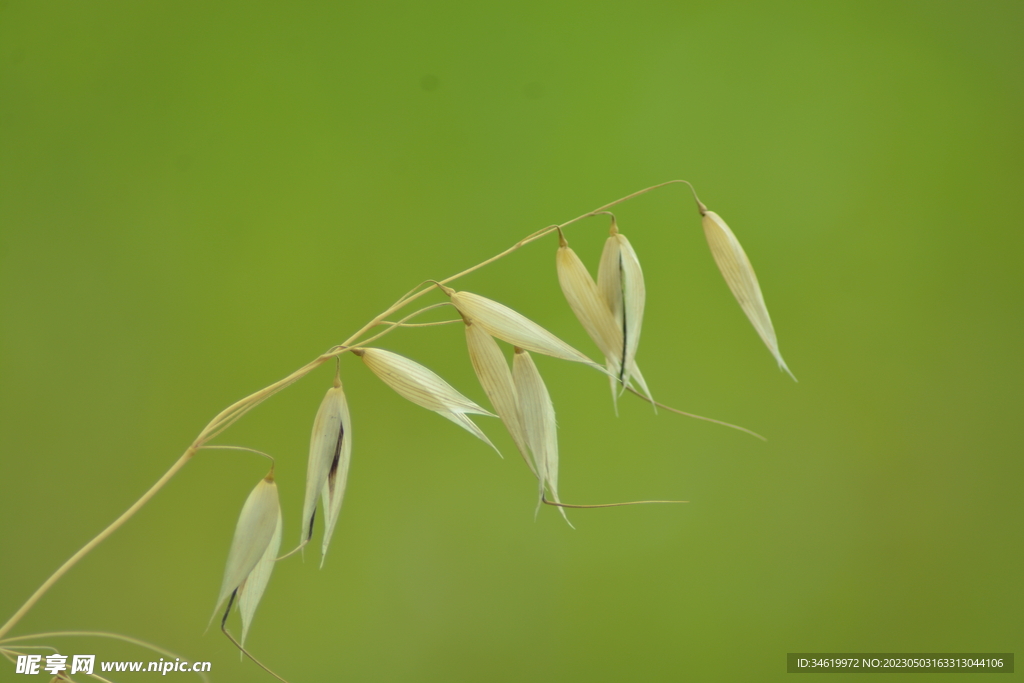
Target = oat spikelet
(251,590)
(492,370)
(330,451)
(332,493)
(538,415)
(587,303)
(739,275)
(425,388)
(620,281)
(510,326)
(595,315)
(253,535)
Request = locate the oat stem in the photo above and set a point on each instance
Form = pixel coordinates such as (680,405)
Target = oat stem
(400,323)
(235,411)
(433,324)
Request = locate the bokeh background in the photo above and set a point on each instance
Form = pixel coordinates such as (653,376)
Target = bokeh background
(197,198)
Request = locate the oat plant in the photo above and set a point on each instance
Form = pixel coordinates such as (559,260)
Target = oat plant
(611,311)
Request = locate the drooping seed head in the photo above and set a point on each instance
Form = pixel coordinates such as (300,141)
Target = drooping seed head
(253,534)
(252,589)
(492,370)
(425,388)
(586,302)
(595,314)
(739,274)
(538,415)
(330,451)
(510,326)
(620,281)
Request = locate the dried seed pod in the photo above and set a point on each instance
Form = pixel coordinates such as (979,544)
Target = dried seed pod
(538,415)
(586,302)
(502,322)
(739,275)
(620,280)
(332,492)
(330,451)
(251,590)
(425,388)
(595,314)
(253,535)
(492,370)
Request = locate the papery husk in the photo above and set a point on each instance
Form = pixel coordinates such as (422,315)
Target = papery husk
(739,275)
(538,415)
(251,591)
(425,388)
(510,326)
(253,533)
(496,380)
(330,450)
(587,304)
(332,493)
(620,283)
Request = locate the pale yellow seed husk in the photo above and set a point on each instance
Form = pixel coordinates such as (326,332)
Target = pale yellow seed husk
(620,282)
(330,446)
(425,388)
(510,326)
(416,383)
(496,380)
(253,533)
(253,587)
(635,298)
(609,278)
(587,304)
(538,415)
(332,492)
(739,275)
(593,312)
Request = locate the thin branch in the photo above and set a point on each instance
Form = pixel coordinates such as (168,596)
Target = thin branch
(401,322)
(219,447)
(433,324)
(609,505)
(245,652)
(695,417)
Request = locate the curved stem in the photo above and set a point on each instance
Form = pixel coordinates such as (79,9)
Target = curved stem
(218,447)
(436,323)
(223,420)
(114,526)
(401,323)
(245,652)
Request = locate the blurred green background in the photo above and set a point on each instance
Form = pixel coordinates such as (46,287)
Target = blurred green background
(198,198)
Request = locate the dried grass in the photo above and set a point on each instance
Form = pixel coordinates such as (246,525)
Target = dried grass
(611,311)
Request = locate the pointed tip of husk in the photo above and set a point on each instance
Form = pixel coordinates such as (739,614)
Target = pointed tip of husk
(566,517)
(784,367)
